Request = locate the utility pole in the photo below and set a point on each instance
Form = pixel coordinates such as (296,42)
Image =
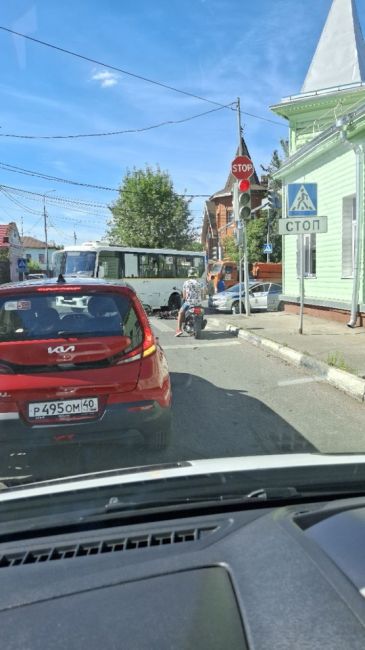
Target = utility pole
(245,254)
(46,228)
(75,238)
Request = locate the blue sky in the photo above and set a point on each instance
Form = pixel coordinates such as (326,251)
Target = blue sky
(219,49)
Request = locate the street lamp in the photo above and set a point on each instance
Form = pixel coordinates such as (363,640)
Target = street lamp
(45,226)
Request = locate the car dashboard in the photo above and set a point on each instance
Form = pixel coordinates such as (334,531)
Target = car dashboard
(258,578)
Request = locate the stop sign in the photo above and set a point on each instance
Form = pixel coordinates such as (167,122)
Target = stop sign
(242,167)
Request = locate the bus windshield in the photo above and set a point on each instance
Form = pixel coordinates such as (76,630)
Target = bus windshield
(80,263)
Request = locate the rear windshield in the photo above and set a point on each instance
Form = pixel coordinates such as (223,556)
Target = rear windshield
(35,316)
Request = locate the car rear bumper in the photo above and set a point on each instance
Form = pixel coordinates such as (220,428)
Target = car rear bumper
(146,417)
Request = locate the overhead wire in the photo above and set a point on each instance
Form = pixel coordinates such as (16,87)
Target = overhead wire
(55,197)
(57,179)
(136,76)
(111,67)
(18,203)
(109,133)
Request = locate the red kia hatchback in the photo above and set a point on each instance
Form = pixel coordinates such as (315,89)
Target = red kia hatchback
(79,363)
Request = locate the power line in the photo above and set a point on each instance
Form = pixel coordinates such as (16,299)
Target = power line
(64,199)
(18,203)
(57,179)
(28,172)
(112,67)
(108,133)
(136,76)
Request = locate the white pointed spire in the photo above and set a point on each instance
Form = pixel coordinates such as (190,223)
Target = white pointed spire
(340,55)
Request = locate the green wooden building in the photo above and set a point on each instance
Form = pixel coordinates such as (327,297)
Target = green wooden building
(327,146)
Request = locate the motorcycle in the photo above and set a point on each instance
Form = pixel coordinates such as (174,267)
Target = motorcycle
(194,321)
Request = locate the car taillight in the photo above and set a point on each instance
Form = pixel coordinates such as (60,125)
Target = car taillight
(148,345)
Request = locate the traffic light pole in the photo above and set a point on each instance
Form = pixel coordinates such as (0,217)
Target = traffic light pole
(245,255)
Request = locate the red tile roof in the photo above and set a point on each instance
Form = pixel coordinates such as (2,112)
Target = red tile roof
(3,233)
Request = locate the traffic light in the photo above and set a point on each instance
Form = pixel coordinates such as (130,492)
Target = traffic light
(215,252)
(274,200)
(244,200)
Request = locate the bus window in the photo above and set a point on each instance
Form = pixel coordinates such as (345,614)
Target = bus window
(148,266)
(183,264)
(110,265)
(131,265)
(80,263)
(199,264)
(167,266)
(58,263)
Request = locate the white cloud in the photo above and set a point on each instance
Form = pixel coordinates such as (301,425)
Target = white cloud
(106,78)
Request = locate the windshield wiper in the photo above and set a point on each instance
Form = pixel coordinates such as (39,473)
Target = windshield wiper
(263,494)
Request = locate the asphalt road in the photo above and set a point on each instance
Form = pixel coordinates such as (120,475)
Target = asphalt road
(229,399)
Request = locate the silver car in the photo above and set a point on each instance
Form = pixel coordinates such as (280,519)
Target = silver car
(264,296)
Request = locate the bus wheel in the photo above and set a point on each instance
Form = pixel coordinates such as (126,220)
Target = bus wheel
(174,301)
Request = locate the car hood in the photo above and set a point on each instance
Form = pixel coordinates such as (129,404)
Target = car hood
(175,470)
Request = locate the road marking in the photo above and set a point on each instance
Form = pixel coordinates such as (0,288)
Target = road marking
(207,344)
(161,326)
(302,380)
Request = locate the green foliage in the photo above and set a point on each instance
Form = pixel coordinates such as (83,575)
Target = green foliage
(4,254)
(230,248)
(149,213)
(337,360)
(196,246)
(275,184)
(256,238)
(33,266)
(275,164)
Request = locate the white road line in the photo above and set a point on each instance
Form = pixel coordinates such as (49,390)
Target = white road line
(207,344)
(302,380)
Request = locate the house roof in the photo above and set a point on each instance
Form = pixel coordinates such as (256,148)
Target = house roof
(5,230)
(3,233)
(32,242)
(340,55)
(255,183)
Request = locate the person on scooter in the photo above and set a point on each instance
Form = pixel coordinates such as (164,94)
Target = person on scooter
(192,297)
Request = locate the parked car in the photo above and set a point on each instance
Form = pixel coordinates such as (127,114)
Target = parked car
(79,377)
(36,276)
(263,296)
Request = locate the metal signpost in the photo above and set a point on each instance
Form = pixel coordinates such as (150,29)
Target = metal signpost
(242,169)
(21,265)
(267,248)
(302,220)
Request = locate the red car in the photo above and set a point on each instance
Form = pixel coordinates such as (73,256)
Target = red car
(79,375)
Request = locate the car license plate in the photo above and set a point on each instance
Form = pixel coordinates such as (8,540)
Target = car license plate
(60,408)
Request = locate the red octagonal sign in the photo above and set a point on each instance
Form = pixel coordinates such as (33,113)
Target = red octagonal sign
(242,167)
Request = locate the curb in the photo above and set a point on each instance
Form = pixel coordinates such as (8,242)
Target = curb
(340,379)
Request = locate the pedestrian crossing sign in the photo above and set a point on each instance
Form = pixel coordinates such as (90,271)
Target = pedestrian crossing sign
(302,199)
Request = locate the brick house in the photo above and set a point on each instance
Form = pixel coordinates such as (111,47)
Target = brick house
(218,218)
(10,252)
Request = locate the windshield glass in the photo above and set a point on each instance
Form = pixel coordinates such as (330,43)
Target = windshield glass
(79,263)
(156,158)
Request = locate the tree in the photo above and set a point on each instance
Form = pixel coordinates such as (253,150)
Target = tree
(230,248)
(196,246)
(33,266)
(148,212)
(275,185)
(256,238)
